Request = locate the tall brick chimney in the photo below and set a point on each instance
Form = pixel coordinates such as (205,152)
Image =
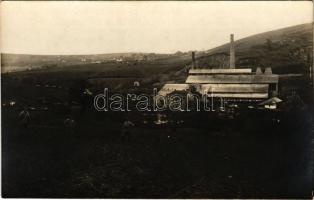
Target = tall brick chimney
(193,60)
(232,55)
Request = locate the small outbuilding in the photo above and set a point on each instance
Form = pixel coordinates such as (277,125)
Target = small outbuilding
(270,103)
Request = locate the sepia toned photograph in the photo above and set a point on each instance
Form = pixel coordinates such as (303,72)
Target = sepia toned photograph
(157,99)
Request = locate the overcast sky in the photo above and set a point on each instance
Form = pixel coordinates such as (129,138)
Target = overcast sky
(161,27)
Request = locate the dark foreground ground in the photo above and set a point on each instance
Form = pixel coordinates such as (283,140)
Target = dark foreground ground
(204,158)
(44,160)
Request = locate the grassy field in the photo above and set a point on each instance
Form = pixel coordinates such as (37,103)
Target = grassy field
(45,160)
(204,158)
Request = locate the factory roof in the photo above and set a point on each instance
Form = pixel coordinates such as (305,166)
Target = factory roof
(240,79)
(220,71)
(240,95)
(234,88)
(248,91)
(272,100)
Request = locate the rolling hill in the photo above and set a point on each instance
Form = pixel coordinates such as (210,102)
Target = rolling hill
(287,50)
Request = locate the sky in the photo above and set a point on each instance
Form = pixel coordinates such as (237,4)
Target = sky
(85,27)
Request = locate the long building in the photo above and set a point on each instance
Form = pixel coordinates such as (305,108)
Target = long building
(232,84)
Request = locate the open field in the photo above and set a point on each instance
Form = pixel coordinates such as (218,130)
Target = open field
(45,160)
(200,159)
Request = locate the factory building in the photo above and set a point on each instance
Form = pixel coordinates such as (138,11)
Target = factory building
(232,84)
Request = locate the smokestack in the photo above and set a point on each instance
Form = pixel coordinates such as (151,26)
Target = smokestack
(193,60)
(259,71)
(232,56)
(268,71)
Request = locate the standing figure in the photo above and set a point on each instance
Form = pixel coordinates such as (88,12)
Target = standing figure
(127,124)
(70,125)
(24,118)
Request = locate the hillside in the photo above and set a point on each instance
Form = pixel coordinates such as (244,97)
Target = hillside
(16,62)
(286,50)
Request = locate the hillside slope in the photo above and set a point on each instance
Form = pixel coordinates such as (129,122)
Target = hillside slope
(286,50)
(20,62)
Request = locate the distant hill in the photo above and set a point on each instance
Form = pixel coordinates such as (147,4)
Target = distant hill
(24,61)
(286,50)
